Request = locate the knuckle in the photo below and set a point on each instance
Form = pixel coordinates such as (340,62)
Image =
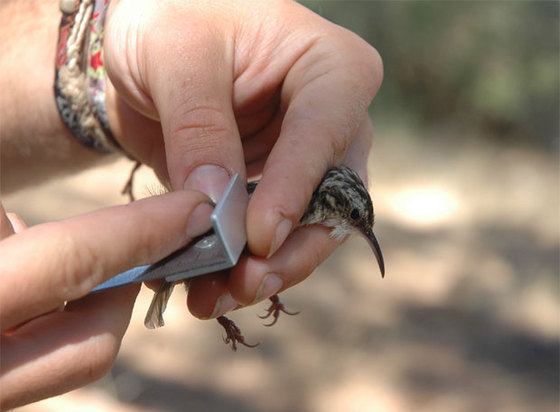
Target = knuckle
(79,268)
(101,358)
(372,65)
(369,69)
(200,121)
(363,64)
(338,143)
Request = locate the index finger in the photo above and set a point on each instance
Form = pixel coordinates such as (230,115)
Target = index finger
(49,264)
(327,93)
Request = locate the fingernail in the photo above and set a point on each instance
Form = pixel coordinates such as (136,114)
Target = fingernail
(224,304)
(199,221)
(282,231)
(271,285)
(209,179)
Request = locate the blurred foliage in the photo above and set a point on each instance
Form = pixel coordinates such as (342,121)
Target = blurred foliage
(487,68)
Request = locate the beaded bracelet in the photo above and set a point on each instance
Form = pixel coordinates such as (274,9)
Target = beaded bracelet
(80,78)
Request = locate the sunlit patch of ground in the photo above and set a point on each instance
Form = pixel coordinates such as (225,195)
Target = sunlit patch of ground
(466,319)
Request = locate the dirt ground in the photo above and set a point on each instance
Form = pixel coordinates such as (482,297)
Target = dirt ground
(466,319)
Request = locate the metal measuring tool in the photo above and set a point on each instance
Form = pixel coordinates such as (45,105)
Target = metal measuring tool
(217,250)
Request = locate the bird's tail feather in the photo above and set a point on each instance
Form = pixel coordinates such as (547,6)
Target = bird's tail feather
(154,316)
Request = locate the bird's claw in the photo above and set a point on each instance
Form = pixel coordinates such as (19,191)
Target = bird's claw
(274,310)
(233,334)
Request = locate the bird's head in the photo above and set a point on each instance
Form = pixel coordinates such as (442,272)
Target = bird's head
(342,202)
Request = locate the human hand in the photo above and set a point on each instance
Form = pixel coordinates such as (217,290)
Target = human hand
(206,89)
(48,346)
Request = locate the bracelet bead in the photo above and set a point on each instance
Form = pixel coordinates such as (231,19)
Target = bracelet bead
(81,79)
(67,6)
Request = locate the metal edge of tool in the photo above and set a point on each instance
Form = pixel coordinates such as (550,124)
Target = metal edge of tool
(228,221)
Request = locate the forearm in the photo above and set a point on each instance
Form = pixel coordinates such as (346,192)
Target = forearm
(34,143)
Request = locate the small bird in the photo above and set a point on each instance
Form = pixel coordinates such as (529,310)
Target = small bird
(341,202)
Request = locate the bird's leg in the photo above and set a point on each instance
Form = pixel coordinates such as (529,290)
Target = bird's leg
(233,333)
(274,310)
(127,189)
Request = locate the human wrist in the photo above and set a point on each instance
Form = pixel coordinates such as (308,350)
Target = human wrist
(35,142)
(81,78)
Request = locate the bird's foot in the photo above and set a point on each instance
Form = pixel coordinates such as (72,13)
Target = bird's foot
(274,310)
(233,333)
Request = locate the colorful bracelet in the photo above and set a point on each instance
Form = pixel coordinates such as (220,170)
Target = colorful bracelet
(80,79)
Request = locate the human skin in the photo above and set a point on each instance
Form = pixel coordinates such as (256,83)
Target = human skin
(198,90)
(56,337)
(259,88)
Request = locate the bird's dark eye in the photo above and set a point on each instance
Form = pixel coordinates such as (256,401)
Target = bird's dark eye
(354,214)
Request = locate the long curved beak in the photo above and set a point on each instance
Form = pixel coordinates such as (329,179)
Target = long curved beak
(372,240)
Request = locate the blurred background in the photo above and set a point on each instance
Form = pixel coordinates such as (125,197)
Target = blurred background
(465,182)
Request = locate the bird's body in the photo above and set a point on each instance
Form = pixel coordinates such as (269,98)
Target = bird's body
(341,202)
